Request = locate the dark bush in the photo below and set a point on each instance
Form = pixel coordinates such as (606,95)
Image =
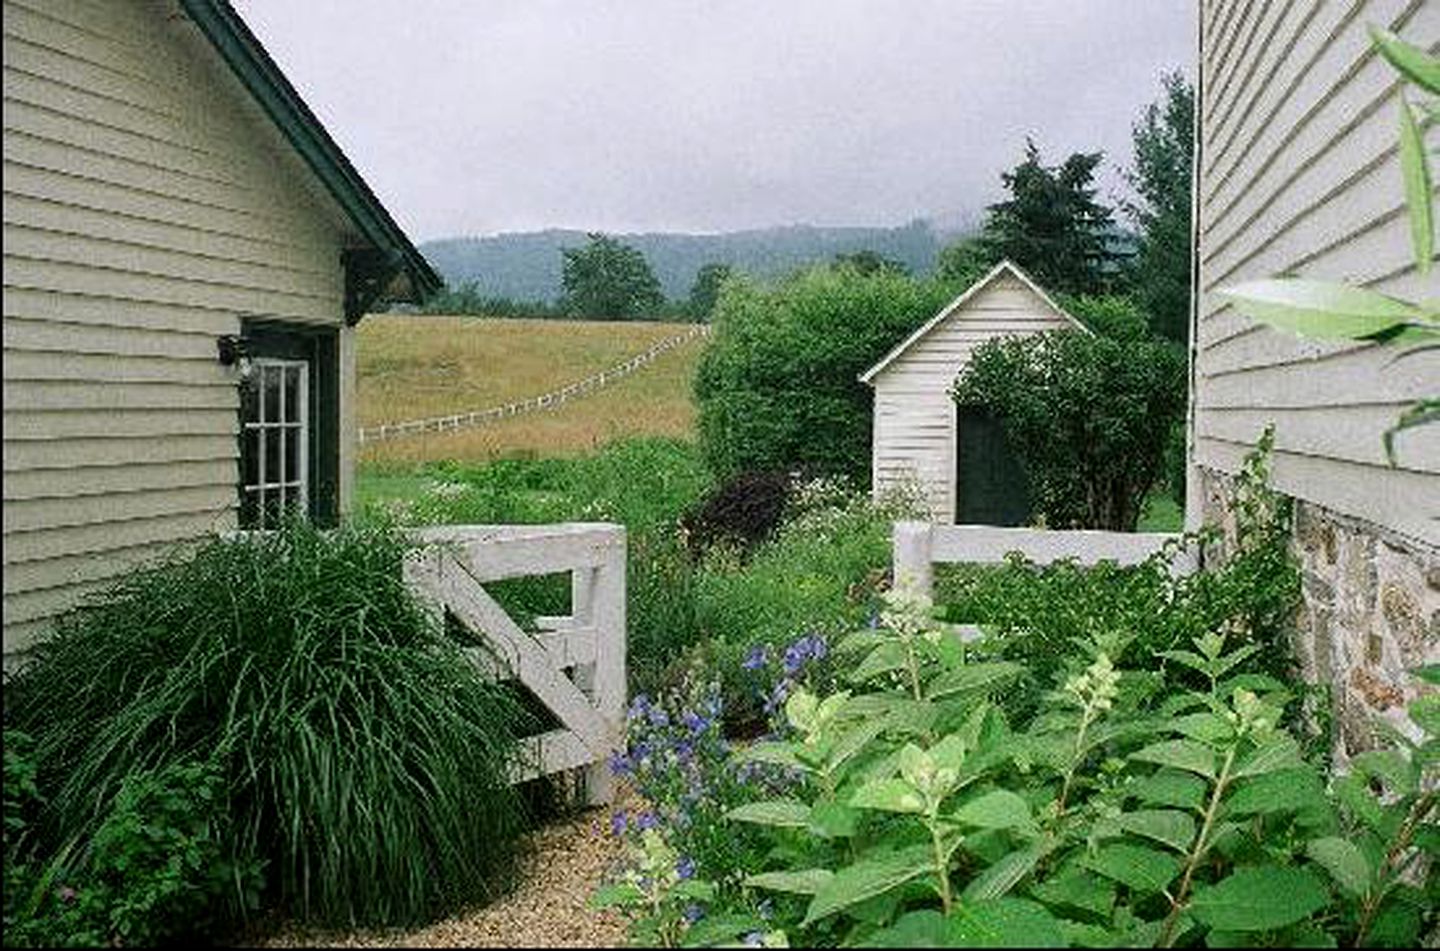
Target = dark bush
(744,511)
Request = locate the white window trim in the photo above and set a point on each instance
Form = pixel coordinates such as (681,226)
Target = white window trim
(297,418)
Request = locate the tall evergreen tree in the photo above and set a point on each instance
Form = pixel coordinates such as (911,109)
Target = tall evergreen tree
(1052,225)
(608,279)
(1164,160)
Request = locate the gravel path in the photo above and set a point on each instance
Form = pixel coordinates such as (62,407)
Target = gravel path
(548,910)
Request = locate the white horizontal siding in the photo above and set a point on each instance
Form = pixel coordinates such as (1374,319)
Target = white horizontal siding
(1300,175)
(148,204)
(914,433)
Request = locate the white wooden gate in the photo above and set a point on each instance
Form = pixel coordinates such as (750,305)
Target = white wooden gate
(575,665)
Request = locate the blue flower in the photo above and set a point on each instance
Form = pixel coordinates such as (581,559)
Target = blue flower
(638,707)
(685,868)
(692,914)
(619,764)
(695,723)
(766,909)
(618,823)
(795,657)
(758,657)
(647,820)
(754,940)
(658,716)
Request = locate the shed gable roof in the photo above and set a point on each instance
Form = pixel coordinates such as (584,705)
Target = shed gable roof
(1004,267)
(395,256)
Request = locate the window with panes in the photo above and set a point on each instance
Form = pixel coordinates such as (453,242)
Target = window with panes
(289,425)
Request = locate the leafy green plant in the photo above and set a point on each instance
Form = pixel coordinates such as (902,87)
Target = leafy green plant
(1088,417)
(777,387)
(351,735)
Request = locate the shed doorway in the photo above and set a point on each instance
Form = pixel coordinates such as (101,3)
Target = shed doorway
(990,486)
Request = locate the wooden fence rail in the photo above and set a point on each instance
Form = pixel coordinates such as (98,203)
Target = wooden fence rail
(919,546)
(575,664)
(544,401)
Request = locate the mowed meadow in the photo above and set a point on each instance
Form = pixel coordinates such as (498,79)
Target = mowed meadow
(415,366)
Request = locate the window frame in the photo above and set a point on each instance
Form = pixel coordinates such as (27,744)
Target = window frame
(319,348)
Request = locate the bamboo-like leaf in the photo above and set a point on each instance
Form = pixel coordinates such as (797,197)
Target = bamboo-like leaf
(1415,169)
(1321,309)
(1423,413)
(1414,63)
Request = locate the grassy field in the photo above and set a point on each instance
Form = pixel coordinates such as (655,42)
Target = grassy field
(418,366)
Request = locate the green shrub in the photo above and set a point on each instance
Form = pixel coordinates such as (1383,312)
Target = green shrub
(1142,611)
(777,385)
(1087,415)
(352,737)
(820,574)
(643,484)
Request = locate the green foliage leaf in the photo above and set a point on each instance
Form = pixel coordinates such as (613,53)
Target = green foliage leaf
(1007,872)
(871,876)
(1355,796)
(1345,863)
(1419,196)
(914,929)
(772,812)
(1414,63)
(807,881)
(779,753)
(974,678)
(1320,309)
(889,795)
(1138,867)
(1004,923)
(1172,788)
(1279,752)
(1000,809)
(1425,711)
(621,894)
(1397,772)
(1078,888)
(833,820)
(1259,899)
(1167,826)
(1289,790)
(1180,754)
(1203,727)
(888,657)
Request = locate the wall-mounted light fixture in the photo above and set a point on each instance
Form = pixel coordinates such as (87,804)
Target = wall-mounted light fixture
(232,350)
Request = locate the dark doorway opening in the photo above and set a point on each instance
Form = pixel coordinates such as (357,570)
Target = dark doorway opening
(990,486)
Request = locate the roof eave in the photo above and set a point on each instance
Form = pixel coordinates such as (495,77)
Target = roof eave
(252,65)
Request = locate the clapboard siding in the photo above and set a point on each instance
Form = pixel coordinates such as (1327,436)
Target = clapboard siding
(914,431)
(148,204)
(1299,174)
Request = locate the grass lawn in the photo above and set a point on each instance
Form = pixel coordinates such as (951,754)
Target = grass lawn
(1161,514)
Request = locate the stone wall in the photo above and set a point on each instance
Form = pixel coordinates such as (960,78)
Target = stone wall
(1371,611)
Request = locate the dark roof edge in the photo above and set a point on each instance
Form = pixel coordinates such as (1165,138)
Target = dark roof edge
(252,65)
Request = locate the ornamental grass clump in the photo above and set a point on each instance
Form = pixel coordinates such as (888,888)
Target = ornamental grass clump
(365,767)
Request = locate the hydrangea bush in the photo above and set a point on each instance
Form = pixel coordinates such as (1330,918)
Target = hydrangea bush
(903,801)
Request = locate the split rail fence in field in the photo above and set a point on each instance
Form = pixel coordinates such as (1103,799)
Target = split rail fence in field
(435,424)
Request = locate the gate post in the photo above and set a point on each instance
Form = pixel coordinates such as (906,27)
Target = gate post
(913,561)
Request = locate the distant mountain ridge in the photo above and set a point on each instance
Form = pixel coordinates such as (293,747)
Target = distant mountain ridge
(526,266)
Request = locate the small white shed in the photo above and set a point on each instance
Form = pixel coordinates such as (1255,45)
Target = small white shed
(920,436)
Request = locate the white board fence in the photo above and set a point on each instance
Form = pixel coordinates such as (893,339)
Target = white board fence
(919,546)
(575,665)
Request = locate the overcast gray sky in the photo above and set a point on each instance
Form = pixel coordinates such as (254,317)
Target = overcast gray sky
(483,116)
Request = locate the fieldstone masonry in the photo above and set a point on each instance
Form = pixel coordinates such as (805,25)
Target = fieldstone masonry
(1371,611)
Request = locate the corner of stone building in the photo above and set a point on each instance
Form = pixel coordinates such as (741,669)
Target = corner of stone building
(1370,613)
